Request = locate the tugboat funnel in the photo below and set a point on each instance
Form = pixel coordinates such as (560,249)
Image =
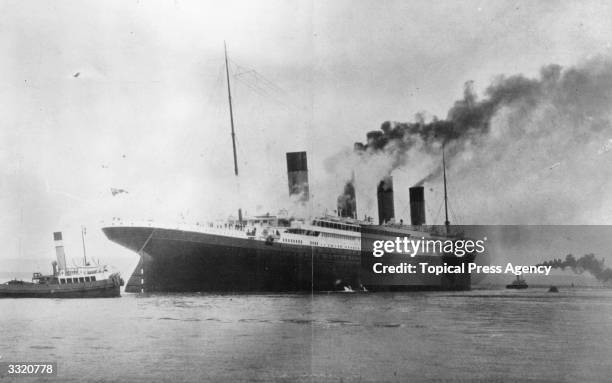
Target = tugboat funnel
(59,251)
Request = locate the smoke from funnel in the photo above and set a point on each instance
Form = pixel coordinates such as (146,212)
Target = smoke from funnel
(503,144)
(587,262)
(467,119)
(470,117)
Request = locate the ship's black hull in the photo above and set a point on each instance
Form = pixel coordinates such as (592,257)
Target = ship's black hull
(185,261)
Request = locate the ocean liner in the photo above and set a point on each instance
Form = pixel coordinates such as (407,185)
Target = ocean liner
(277,253)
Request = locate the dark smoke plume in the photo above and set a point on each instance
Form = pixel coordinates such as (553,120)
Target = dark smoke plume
(587,262)
(572,90)
(524,144)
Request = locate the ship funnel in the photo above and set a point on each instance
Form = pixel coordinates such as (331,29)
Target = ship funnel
(386,211)
(417,205)
(59,251)
(347,204)
(297,174)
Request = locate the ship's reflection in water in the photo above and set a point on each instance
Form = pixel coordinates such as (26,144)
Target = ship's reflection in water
(478,335)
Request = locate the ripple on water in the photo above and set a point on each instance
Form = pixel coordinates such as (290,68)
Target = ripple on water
(253,320)
(297,321)
(388,325)
(100,347)
(342,322)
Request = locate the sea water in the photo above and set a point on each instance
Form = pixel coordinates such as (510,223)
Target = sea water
(481,335)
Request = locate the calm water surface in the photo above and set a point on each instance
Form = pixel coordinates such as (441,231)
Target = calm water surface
(444,337)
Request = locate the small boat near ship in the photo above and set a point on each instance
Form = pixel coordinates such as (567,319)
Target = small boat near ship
(86,281)
(518,284)
(553,289)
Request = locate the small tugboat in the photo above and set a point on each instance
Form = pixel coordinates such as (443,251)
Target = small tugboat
(517,284)
(86,281)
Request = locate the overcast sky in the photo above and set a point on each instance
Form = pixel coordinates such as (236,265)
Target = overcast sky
(131,94)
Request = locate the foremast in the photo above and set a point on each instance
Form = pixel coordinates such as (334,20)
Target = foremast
(231,111)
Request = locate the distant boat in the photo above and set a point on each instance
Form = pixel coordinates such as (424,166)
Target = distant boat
(553,289)
(86,281)
(517,284)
